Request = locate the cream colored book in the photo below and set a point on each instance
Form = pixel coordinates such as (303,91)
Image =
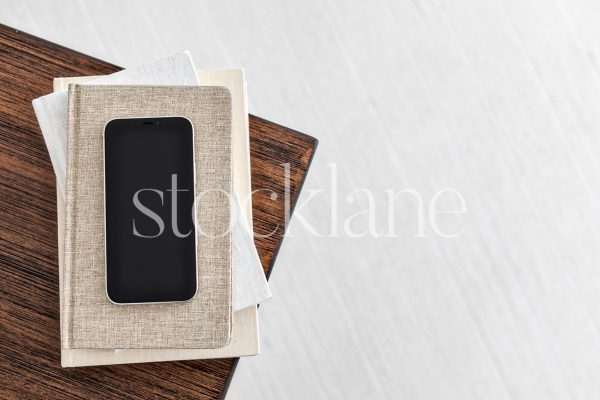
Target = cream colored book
(244,335)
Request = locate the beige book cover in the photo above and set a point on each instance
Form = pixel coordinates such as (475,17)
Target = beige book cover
(92,320)
(244,335)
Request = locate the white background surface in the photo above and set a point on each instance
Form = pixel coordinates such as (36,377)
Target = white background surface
(499,100)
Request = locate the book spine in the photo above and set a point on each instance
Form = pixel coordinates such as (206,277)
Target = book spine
(70,212)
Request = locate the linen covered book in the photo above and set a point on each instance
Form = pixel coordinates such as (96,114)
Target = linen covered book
(90,320)
(244,334)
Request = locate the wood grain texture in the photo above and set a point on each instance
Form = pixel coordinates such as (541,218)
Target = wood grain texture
(29,315)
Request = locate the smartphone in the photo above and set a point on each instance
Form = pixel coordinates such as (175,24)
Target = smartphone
(149,192)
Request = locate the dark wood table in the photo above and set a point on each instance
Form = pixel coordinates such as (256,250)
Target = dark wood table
(29,316)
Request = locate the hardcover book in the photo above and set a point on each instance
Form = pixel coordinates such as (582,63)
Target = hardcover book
(91,320)
(244,335)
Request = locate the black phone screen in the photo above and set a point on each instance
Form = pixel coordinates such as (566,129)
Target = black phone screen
(149,200)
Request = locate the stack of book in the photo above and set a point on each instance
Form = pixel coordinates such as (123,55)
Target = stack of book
(221,319)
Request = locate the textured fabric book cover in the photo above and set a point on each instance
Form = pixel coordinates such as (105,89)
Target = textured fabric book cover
(92,321)
(244,332)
